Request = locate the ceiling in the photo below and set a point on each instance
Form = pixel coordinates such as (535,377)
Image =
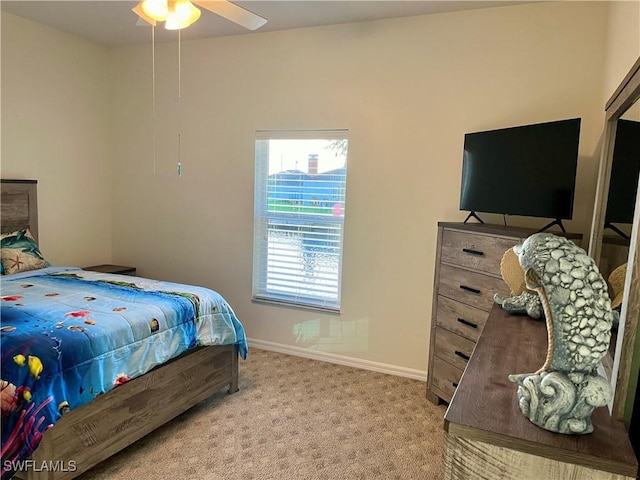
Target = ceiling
(112,23)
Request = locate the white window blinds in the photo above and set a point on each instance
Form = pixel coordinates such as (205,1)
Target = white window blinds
(300,192)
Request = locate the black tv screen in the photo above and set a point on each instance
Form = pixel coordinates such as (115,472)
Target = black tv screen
(527,170)
(625,169)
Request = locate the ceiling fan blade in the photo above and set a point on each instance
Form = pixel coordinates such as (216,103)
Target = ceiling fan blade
(232,12)
(143,18)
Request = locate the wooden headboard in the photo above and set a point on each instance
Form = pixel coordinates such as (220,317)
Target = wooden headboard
(19,206)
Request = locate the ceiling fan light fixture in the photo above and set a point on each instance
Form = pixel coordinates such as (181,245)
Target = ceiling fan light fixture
(184,13)
(156,9)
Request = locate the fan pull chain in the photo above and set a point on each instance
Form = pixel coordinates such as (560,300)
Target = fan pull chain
(179,104)
(153,91)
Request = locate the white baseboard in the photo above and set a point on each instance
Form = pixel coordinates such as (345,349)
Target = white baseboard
(339,359)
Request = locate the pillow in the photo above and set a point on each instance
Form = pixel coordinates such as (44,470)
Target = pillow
(20,253)
(2,236)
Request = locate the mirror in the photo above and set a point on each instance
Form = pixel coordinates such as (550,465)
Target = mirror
(618,220)
(609,247)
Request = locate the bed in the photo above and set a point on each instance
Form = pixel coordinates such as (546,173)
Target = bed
(92,362)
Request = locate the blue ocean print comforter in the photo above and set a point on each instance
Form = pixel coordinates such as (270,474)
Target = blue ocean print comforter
(69,335)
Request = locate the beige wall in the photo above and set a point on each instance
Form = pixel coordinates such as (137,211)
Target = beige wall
(622,43)
(55,129)
(407,89)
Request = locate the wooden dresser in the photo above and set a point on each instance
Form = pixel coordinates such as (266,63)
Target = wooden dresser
(488,437)
(613,253)
(467,275)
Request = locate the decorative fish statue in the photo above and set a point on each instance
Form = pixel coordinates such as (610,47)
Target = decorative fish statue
(561,395)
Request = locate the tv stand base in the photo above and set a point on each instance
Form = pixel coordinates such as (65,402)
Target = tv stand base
(617,230)
(473,215)
(557,221)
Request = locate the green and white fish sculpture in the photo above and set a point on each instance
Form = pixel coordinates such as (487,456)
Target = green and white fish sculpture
(562,394)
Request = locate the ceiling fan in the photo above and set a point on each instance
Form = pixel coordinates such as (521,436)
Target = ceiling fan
(178,14)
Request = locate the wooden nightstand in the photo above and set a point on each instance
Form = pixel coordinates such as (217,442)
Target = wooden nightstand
(120,269)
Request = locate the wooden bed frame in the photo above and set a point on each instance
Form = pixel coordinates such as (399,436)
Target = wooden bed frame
(93,432)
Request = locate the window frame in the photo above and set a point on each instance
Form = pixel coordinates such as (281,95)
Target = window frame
(262,217)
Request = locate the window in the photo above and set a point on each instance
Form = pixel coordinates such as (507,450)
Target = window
(300,185)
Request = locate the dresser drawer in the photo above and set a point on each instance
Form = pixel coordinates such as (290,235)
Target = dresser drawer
(460,318)
(480,252)
(453,348)
(471,288)
(445,378)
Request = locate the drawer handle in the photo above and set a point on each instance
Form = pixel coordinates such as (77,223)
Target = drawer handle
(473,252)
(455,384)
(469,289)
(462,355)
(467,323)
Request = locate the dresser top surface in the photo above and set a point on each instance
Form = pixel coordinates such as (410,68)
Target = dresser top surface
(485,405)
(493,229)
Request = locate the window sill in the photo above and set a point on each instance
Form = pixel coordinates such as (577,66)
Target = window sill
(295,305)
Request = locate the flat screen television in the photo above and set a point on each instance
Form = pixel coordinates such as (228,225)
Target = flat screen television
(625,170)
(527,170)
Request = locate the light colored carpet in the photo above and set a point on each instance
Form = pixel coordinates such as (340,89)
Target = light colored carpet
(295,419)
